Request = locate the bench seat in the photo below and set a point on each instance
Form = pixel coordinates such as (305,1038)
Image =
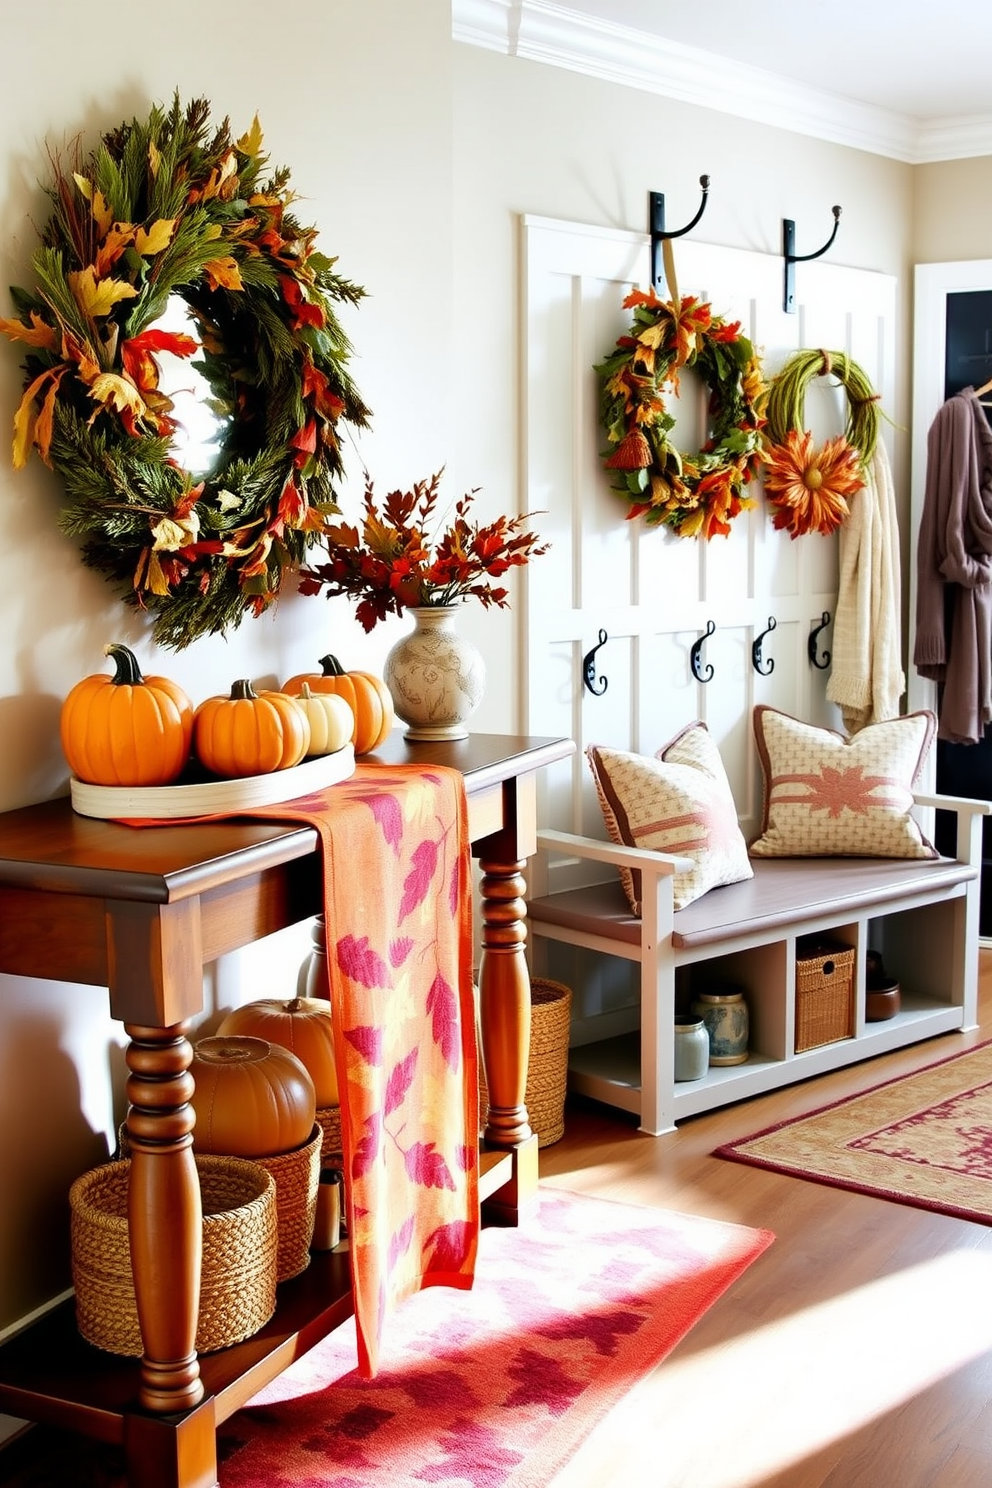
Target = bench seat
(782,890)
(922,913)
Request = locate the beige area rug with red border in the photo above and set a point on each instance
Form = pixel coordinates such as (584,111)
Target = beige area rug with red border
(923,1139)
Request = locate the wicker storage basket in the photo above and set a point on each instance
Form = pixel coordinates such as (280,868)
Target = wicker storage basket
(238,1275)
(824,992)
(297,1177)
(547,1070)
(329,1121)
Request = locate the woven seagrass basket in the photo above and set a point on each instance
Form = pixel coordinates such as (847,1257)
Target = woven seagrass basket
(824,992)
(297,1178)
(238,1274)
(329,1121)
(547,1070)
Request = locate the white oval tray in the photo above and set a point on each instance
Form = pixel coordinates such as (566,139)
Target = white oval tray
(211,797)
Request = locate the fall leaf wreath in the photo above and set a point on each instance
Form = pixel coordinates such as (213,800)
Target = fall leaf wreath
(694,495)
(166,208)
(808,485)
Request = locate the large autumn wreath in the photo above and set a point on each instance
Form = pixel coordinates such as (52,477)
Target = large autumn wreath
(167,208)
(693,494)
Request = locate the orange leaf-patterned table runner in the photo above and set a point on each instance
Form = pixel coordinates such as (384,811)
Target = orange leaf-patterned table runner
(398,924)
(397,915)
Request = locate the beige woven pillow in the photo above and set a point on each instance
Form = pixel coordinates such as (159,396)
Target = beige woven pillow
(679,801)
(827,796)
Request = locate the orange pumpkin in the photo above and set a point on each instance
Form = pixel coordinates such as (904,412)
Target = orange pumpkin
(250,733)
(252,1098)
(302,1025)
(126,729)
(366,693)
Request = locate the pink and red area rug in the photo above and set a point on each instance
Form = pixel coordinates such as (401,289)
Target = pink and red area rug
(496,1387)
(923,1139)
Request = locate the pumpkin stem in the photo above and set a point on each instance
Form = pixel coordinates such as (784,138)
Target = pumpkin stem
(127,672)
(331,667)
(242,689)
(305,692)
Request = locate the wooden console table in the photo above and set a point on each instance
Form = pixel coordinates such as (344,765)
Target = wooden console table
(141,912)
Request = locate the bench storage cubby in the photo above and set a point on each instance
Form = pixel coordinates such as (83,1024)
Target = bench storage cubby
(920,915)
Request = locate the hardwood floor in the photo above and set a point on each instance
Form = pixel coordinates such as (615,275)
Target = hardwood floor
(856,1351)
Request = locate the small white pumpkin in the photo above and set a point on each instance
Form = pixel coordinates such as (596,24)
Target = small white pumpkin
(331,719)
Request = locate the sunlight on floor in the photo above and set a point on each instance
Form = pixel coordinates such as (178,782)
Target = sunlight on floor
(818,1374)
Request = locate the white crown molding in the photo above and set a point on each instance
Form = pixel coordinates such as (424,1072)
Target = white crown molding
(541,31)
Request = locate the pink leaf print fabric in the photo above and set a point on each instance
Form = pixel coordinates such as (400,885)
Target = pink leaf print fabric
(399,935)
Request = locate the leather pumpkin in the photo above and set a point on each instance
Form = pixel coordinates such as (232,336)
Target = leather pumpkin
(252,1098)
(367,695)
(249,733)
(331,720)
(126,729)
(302,1025)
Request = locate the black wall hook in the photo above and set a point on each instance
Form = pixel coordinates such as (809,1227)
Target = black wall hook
(763,668)
(701,673)
(658,231)
(812,645)
(792,257)
(596,685)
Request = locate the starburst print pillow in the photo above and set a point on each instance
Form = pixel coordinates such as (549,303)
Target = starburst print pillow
(828,796)
(678,801)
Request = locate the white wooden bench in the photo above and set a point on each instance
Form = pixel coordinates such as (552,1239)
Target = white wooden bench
(921,915)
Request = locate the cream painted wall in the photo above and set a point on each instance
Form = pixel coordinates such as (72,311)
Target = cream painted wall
(413,157)
(354,97)
(952,210)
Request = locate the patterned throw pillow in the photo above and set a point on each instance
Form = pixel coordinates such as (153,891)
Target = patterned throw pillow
(827,796)
(678,802)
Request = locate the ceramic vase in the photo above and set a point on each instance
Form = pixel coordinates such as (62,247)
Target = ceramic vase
(436,677)
(725,1015)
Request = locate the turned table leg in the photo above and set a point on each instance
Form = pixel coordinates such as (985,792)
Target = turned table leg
(504,1001)
(164,1215)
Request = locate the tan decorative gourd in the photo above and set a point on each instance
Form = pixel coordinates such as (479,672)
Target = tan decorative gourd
(366,694)
(126,729)
(249,733)
(252,1098)
(302,1025)
(331,719)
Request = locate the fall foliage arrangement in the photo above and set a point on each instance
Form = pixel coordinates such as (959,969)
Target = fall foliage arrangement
(808,485)
(162,208)
(693,495)
(392,563)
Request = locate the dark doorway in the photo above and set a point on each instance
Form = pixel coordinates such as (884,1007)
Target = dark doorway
(966,769)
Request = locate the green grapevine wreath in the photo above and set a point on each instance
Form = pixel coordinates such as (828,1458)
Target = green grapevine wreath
(807,485)
(170,208)
(694,495)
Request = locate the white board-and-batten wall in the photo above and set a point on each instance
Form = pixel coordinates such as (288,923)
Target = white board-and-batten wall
(654,594)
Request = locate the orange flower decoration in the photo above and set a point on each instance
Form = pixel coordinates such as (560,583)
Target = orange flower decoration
(808,486)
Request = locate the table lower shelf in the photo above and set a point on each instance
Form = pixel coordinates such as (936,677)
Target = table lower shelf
(49,1374)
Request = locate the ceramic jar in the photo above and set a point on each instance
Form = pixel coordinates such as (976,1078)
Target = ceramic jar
(725,1014)
(435,675)
(692,1048)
